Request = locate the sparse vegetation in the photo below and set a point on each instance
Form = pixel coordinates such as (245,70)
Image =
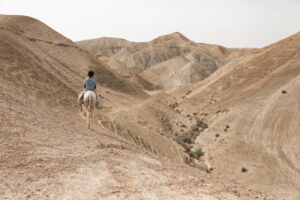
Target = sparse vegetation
(187,147)
(244,170)
(283,91)
(198,153)
(217,135)
(195,134)
(226,128)
(190,136)
(183,125)
(173,105)
(201,124)
(188,92)
(187,140)
(195,128)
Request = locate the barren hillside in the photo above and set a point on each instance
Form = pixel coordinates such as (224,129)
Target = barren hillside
(135,152)
(169,60)
(127,73)
(251,107)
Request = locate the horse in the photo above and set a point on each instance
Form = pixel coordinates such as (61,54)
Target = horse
(89,106)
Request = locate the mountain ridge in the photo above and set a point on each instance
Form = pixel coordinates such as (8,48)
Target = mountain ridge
(142,56)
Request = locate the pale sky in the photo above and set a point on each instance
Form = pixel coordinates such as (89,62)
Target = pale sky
(232,23)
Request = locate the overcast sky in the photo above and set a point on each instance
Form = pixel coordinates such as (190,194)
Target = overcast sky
(232,23)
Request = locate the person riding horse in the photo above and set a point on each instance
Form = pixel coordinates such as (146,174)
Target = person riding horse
(89,84)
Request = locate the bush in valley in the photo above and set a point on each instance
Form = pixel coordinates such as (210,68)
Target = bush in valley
(173,105)
(189,137)
(187,147)
(283,91)
(217,135)
(187,140)
(183,126)
(194,135)
(226,128)
(198,153)
(244,170)
(195,128)
(201,124)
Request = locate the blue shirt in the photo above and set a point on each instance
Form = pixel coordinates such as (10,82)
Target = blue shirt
(90,83)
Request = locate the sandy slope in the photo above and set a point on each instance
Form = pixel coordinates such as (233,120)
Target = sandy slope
(45,150)
(252,104)
(160,60)
(130,75)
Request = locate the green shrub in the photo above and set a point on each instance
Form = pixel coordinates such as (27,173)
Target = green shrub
(187,147)
(197,153)
(187,140)
(201,124)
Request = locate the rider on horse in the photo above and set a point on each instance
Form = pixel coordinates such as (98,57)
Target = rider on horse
(89,84)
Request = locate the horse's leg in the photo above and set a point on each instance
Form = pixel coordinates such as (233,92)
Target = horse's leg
(80,100)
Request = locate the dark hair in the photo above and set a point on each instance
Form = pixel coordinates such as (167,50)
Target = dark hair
(90,74)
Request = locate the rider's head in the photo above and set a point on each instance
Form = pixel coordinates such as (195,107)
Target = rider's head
(90,74)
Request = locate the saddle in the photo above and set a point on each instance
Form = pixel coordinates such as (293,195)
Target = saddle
(98,96)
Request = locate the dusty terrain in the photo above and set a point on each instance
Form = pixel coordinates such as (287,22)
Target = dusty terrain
(251,107)
(231,136)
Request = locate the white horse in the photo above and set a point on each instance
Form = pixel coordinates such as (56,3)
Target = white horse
(89,106)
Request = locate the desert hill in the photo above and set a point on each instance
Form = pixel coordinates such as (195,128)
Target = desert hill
(130,75)
(161,54)
(47,39)
(251,107)
(46,151)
